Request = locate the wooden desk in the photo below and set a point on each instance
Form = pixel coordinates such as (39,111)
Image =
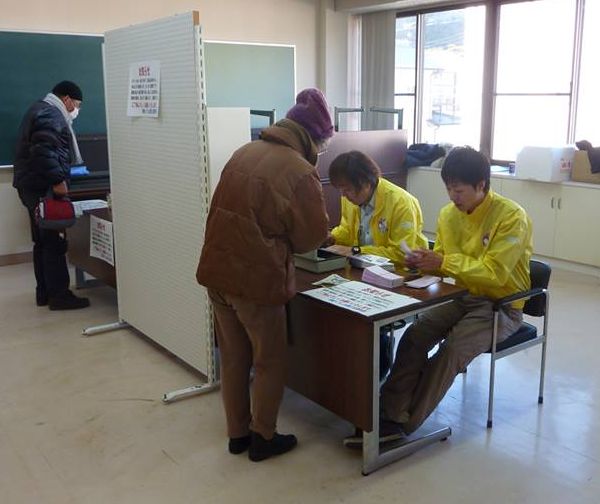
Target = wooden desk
(79,250)
(333,356)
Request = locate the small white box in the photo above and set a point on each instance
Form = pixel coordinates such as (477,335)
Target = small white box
(547,164)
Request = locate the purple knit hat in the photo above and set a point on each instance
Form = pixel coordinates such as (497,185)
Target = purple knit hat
(312,114)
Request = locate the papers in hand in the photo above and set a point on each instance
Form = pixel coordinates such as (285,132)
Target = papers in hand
(424,281)
(405,248)
(383,278)
(366,260)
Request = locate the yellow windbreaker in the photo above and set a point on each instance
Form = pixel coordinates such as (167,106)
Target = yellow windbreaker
(487,251)
(397,216)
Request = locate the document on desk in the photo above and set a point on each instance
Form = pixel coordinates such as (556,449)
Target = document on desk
(82,206)
(361,298)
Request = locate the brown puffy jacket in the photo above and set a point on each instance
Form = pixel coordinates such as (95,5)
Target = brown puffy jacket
(268,204)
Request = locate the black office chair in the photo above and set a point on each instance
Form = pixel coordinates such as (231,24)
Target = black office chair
(527,335)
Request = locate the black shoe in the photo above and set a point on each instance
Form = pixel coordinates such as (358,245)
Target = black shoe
(261,448)
(68,301)
(41,298)
(388,431)
(239,445)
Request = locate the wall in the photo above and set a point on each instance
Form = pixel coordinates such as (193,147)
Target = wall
(317,31)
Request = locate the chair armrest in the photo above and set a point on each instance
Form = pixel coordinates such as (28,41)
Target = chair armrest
(515,297)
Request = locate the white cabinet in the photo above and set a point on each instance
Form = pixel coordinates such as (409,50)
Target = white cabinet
(563,218)
(540,201)
(577,237)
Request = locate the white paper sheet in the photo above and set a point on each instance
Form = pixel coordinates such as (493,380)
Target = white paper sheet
(101,240)
(361,298)
(424,281)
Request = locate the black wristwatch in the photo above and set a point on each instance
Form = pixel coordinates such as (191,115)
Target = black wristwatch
(355,250)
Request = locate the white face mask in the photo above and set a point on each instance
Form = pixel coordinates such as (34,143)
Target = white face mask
(74,113)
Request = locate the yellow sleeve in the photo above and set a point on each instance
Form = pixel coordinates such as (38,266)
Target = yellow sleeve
(344,233)
(405,224)
(494,267)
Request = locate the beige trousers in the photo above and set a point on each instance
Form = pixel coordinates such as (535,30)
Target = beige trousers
(464,330)
(250,335)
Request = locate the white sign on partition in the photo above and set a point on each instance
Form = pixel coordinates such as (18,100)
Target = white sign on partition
(361,298)
(144,89)
(101,240)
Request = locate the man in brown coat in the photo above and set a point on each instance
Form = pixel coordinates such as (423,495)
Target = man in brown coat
(268,205)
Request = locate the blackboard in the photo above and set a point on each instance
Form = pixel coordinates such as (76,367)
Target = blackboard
(257,76)
(32,63)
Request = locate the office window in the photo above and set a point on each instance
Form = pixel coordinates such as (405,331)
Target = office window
(534,72)
(588,127)
(405,72)
(450,75)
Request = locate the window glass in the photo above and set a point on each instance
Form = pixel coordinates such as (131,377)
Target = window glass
(528,120)
(406,54)
(535,47)
(589,83)
(453,76)
(535,54)
(404,77)
(407,104)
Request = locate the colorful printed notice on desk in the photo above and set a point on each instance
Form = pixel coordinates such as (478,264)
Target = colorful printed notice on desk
(101,240)
(361,298)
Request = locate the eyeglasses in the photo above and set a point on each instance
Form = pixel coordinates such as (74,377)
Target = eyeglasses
(76,103)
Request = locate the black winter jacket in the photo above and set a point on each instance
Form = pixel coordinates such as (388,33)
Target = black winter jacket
(43,151)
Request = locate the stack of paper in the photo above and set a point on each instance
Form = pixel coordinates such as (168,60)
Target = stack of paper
(383,278)
(366,260)
(82,206)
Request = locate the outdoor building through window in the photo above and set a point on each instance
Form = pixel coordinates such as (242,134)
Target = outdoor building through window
(531,80)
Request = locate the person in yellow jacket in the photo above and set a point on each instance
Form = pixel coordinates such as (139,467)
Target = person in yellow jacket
(376,214)
(484,242)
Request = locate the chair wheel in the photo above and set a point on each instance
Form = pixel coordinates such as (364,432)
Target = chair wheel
(443,439)
(489,424)
(541,400)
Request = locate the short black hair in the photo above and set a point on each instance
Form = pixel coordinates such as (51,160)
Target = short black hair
(467,166)
(68,88)
(356,168)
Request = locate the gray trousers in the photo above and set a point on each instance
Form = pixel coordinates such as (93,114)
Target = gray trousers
(250,335)
(464,330)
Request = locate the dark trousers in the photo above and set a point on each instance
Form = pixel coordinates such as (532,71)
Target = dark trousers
(49,254)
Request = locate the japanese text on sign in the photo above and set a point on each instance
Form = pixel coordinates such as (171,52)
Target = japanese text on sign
(144,89)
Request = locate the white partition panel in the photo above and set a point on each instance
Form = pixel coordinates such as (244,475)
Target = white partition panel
(160,188)
(228,130)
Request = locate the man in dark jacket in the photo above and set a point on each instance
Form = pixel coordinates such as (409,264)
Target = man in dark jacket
(268,205)
(46,149)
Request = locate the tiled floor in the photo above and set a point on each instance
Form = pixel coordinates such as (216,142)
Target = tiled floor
(81,421)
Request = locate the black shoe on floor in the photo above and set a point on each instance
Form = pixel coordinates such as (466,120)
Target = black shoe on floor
(68,301)
(388,431)
(41,298)
(239,445)
(261,448)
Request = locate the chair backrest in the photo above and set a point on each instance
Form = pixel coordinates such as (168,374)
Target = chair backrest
(539,272)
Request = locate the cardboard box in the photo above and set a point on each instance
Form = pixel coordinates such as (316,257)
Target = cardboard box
(546,164)
(582,170)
